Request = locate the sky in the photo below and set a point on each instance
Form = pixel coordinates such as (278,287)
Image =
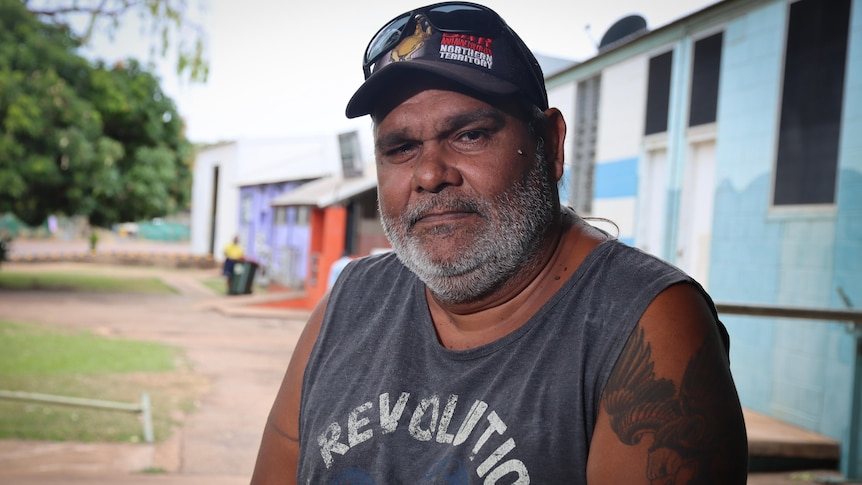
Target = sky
(282,68)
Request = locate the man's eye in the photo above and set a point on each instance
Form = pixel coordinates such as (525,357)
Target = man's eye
(472,140)
(400,152)
(474,135)
(401,149)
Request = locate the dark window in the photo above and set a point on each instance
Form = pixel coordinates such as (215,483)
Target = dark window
(704,80)
(658,93)
(303,215)
(351,162)
(811,102)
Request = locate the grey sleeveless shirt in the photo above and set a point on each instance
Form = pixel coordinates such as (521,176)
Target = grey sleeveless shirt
(383,402)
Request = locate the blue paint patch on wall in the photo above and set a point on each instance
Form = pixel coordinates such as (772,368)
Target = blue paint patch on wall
(616,179)
(563,185)
(627,240)
(848,240)
(795,370)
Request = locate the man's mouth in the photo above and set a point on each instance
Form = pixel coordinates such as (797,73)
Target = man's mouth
(439,212)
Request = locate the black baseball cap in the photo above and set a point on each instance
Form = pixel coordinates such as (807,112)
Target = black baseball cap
(463,43)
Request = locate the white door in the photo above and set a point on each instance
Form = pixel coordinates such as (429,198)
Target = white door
(696,211)
(652,212)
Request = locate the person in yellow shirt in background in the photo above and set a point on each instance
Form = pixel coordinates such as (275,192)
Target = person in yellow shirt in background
(232,253)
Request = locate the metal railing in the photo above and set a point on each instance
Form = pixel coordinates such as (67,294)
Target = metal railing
(852,468)
(850,316)
(143,407)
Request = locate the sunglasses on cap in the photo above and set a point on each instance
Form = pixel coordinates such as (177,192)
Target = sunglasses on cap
(463,42)
(450,17)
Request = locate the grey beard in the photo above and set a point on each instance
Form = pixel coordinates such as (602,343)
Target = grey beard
(516,221)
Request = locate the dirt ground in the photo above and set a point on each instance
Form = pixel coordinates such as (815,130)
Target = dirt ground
(243,352)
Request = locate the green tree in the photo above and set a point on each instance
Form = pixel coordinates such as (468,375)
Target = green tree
(82,139)
(168,23)
(155,178)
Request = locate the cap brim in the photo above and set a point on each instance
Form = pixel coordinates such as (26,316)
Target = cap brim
(370,95)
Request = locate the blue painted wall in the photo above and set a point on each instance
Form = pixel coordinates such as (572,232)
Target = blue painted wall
(614,179)
(848,239)
(617,180)
(798,371)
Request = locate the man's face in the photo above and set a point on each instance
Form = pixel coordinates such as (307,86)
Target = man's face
(464,196)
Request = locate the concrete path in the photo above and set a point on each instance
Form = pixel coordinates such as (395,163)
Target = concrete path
(243,352)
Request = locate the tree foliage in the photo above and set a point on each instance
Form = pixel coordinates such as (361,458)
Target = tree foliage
(83,139)
(167,22)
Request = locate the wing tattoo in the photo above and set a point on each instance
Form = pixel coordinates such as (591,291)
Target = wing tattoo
(684,425)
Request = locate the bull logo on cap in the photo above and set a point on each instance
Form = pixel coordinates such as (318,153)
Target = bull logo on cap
(409,46)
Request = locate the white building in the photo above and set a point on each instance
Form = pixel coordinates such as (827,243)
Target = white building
(222,169)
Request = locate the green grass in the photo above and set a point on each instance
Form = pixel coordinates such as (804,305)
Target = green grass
(27,350)
(53,360)
(81,282)
(218,285)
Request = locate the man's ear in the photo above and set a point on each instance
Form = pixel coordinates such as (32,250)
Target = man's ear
(555,139)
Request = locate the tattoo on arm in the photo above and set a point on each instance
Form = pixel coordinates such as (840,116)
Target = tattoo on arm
(692,439)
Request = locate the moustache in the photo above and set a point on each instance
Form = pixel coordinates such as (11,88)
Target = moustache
(420,209)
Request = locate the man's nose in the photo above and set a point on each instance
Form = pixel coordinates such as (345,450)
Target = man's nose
(436,169)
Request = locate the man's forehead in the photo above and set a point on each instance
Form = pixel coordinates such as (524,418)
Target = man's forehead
(407,86)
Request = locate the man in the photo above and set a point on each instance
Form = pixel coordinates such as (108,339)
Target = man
(505,340)
(232,254)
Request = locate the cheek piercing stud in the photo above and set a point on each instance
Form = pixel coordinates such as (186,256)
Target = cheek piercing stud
(520,152)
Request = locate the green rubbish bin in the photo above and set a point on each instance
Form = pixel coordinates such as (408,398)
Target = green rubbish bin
(242,277)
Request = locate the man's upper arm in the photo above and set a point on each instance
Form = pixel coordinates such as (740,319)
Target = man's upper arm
(669,412)
(278,457)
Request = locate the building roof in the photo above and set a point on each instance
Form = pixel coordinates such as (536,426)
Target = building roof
(270,160)
(328,191)
(552,65)
(644,41)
